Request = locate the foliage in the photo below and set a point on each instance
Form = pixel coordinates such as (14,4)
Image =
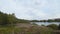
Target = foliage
(22,21)
(10,19)
(53,26)
(49,20)
(3,18)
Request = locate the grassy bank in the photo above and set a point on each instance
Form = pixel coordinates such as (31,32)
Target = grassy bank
(24,30)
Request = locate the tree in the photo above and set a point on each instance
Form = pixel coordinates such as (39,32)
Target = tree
(3,18)
(11,18)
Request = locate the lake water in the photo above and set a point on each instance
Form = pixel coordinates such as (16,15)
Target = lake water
(46,23)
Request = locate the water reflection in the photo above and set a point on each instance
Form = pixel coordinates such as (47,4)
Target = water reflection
(46,23)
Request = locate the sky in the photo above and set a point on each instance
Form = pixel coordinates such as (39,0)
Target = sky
(32,9)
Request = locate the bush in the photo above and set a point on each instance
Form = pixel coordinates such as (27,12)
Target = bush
(53,26)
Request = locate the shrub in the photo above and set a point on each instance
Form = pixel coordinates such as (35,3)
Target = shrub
(53,26)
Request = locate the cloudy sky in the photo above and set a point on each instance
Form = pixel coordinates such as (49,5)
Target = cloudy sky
(32,9)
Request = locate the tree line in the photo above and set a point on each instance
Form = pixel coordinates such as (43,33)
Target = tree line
(49,20)
(10,19)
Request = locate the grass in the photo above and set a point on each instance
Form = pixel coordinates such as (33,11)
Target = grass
(24,30)
(6,30)
(33,30)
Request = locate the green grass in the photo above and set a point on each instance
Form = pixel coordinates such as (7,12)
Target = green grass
(5,31)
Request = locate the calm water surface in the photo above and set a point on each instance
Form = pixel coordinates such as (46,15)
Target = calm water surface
(46,23)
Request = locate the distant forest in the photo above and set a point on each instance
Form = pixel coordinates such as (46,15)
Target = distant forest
(49,20)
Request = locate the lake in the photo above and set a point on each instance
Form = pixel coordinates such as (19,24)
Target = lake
(46,23)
